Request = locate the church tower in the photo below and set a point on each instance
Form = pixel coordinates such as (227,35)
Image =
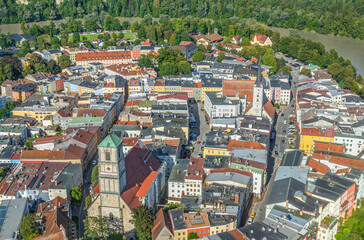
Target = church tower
(112,179)
(257,108)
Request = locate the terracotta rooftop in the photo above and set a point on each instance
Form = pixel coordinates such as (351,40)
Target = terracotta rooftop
(47,140)
(161,220)
(244,88)
(328,132)
(129,197)
(195,169)
(129,141)
(320,167)
(109,55)
(202,216)
(340,159)
(329,147)
(260,37)
(226,170)
(143,190)
(42,154)
(244,144)
(181,96)
(91,112)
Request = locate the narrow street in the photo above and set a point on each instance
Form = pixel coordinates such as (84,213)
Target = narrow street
(201,128)
(280,146)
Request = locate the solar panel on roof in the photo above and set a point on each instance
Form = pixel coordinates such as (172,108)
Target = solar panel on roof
(33,181)
(40,181)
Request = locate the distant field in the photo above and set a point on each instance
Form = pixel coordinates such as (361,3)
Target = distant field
(129,36)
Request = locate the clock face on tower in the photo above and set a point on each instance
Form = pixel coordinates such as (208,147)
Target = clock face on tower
(108,168)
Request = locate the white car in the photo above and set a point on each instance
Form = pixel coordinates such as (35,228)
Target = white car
(94,162)
(250,221)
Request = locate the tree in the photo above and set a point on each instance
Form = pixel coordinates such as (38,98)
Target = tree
(116,236)
(88,202)
(220,57)
(28,228)
(64,61)
(96,227)
(184,67)
(198,56)
(76,194)
(306,72)
(3,113)
(29,142)
(145,61)
(172,40)
(193,235)
(95,176)
(269,59)
(143,222)
(76,37)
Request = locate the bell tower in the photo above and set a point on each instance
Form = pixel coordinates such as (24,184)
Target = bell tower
(112,179)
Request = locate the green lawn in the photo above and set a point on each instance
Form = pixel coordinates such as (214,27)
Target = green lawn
(129,36)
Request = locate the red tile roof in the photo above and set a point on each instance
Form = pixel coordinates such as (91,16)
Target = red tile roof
(47,140)
(269,109)
(161,221)
(244,88)
(74,152)
(244,144)
(260,37)
(319,132)
(225,170)
(185,43)
(329,147)
(146,184)
(42,154)
(342,171)
(91,112)
(238,235)
(109,55)
(132,103)
(139,163)
(320,167)
(96,189)
(195,169)
(129,141)
(62,113)
(344,160)
(240,59)
(181,96)
(129,197)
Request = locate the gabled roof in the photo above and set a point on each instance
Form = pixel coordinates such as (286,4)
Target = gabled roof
(161,221)
(91,112)
(320,167)
(244,144)
(329,147)
(111,141)
(146,184)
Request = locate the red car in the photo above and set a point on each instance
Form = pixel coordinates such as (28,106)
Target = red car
(198,142)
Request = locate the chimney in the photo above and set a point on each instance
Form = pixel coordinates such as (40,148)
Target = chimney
(215,30)
(236,199)
(287,203)
(56,183)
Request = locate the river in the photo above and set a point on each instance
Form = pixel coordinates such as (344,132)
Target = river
(348,48)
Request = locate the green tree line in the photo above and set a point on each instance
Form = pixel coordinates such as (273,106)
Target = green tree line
(339,17)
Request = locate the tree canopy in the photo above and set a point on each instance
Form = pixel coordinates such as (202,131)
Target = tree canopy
(143,222)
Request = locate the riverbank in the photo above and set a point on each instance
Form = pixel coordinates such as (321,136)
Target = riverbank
(347,48)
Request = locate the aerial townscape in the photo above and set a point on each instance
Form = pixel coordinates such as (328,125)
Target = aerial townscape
(163,120)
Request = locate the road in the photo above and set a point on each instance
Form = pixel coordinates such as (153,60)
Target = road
(280,141)
(85,192)
(201,128)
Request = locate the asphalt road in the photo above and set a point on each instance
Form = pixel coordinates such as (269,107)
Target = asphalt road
(280,141)
(201,130)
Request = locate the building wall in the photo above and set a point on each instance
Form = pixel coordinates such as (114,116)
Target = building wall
(193,187)
(210,151)
(307,142)
(181,234)
(222,228)
(175,189)
(353,144)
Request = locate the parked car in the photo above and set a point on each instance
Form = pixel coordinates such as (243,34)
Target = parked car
(250,221)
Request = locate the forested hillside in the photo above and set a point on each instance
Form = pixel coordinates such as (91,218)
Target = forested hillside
(340,17)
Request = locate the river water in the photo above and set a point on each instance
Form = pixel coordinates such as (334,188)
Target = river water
(348,48)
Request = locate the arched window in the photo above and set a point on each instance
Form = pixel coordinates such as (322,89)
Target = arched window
(107,155)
